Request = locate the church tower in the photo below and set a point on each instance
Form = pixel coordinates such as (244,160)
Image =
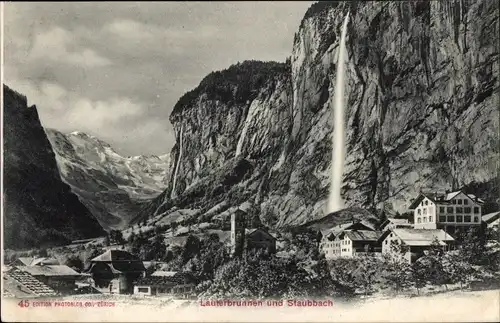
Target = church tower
(237,233)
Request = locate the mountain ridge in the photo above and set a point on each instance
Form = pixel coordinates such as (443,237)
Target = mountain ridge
(111,185)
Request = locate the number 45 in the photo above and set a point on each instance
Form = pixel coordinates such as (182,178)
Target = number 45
(24,303)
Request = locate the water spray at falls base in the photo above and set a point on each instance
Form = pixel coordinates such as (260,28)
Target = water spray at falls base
(335,201)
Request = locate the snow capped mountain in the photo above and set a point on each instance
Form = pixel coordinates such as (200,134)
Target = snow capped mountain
(111,185)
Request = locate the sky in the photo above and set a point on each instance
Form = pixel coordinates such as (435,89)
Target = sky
(115,70)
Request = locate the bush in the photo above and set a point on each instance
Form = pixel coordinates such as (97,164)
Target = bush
(258,276)
(75,262)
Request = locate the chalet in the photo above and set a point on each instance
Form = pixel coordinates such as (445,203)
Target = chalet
(492,220)
(260,239)
(329,248)
(392,223)
(117,270)
(351,243)
(411,244)
(59,277)
(166,283)
(249,239)
(454,212)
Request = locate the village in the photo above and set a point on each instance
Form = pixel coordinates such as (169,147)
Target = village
(438,221)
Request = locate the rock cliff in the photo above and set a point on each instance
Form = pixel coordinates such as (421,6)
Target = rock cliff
(39,208)
(422,113)
(110,185)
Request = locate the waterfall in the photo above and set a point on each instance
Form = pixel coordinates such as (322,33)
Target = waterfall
(251,111)
(335,202)
(172,193)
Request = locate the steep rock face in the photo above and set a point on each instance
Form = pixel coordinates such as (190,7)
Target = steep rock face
(422,96)
(39,208)
(110,185)
(422,113)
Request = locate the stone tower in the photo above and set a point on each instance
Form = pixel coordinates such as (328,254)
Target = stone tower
(237,233)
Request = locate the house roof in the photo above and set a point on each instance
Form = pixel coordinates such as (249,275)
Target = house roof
(32,261)
(119,261)
(490,217)
(442,198)
(251,232)
(116,256)
(44,261)
(338,229)
(362,235)
(49,270)
(397,222)
(421,237)
(21,284)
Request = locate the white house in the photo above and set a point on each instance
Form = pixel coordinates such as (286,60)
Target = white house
(454,212)
(351,243)
(331,247)
(413,243)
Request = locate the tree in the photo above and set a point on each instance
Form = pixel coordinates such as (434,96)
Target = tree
(342,273)
(419,274)
(472,248)
(158,248)
(366,273)
(116,236)
(107,241)
(434,259)
(131,237)
(75,263)
(191,248)
(396,272)
(457,268)
(42,252)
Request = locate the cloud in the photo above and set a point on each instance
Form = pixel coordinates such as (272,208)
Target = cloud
(116,70)
(53,45)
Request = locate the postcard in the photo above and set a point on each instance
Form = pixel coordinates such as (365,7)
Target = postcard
(331,161)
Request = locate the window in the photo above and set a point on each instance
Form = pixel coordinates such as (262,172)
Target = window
(459,210)
(426,202)
(385,241)
(454,201)
(143,289)
(441,209)
(419,220)
(425,219)
(459,218)
(467,218)
(476,210)
(450,218)
(419,211)
(466,202)
(425,211)
(467,209)
(459,202)
(430,218)
(442,218)
(449,209)
(476,219)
